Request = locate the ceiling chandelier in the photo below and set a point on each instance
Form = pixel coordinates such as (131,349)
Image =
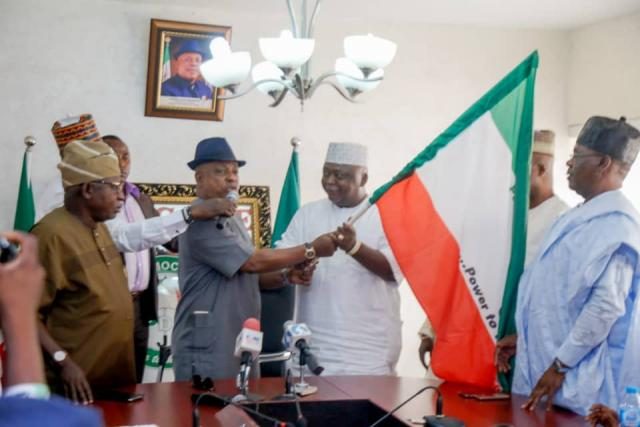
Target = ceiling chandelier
(286,66)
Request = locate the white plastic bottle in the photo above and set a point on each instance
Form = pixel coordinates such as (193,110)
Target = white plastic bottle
(629,409)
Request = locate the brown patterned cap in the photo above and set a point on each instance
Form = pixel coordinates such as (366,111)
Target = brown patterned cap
(81,127)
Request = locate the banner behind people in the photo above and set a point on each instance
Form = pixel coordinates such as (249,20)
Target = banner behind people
(455,219)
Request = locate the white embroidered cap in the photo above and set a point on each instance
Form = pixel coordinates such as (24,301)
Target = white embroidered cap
(347,153)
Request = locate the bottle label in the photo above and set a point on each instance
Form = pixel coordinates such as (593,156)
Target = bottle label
(628,416)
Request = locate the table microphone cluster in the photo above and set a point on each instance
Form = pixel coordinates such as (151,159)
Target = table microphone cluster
(437,420)
(213,399)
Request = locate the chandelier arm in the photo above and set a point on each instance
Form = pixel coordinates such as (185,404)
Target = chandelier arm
(294,22)
(299,85)
(280,98)
(253,86)
(337,88)
(313,18)
(323,78)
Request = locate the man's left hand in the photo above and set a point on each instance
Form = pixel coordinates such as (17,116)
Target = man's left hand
(547,386)
(302,274)
(345,237)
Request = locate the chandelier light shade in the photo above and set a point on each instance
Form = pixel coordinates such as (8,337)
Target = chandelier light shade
(369,52)
(226,68)
(286,66)
(286,51)
(352,78)
(267,76)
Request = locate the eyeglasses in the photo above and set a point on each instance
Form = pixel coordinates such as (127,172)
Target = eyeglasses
(115,186)
(579,156)
(225,172)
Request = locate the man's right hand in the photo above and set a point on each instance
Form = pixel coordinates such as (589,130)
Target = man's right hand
(22,279)
(426,346)
(600,415)
(211,208)
(76,386)
(505,350)
(325,245)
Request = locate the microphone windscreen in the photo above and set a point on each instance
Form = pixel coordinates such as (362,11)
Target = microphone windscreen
(232,196)
(251,323)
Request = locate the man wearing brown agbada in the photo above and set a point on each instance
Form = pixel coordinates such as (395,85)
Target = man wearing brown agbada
(86,311)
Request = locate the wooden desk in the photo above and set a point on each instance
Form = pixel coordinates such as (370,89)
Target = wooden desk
(169,404)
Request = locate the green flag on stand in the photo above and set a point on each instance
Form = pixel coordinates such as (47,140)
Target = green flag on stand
(289,198)
(25,208)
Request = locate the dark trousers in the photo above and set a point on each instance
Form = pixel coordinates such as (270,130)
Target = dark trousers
(140,338)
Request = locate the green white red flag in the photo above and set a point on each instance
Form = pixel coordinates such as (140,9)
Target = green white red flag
(455,218)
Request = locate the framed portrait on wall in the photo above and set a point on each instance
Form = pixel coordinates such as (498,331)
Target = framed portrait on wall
(175,87)
(253,206)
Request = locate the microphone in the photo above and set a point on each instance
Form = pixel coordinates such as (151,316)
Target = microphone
(231,196)
(297,337)
(249,340)
(437,420)
(8,251)
(248,347)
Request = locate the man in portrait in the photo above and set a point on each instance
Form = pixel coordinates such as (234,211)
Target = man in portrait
(187,81)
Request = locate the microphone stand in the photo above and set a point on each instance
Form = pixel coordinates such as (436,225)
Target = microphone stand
(213,398)
(164,349)
(437,420)
(163,356)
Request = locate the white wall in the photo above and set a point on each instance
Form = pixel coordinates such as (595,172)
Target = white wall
(604,70)
(75,56)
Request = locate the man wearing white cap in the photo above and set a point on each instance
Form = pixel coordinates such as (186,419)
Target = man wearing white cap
(353,305)
(544,206)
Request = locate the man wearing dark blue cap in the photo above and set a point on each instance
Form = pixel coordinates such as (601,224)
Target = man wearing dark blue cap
(221,273)
(187,82)
(578,310)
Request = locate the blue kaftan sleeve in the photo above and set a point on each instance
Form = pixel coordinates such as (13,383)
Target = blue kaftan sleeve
(605,305)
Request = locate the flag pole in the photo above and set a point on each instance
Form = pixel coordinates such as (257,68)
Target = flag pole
(352,219)
(29,143)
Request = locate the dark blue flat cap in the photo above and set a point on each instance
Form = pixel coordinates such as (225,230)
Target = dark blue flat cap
(190,46)
(214,149)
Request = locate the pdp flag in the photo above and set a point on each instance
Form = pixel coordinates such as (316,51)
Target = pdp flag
(455,218)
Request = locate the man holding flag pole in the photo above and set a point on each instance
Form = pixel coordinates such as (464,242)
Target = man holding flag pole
(352,305)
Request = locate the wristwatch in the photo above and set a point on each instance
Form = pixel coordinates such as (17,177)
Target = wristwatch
(186,215)
(560,367)
(59,356)
(309,251)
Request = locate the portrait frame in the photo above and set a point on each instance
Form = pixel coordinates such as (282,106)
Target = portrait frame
(253,206)
(162,100)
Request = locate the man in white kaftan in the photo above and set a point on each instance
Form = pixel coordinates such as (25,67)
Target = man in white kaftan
(353,311)
(577,315)
(544,205)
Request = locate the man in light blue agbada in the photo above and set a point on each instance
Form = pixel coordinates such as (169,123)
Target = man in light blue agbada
(578,314)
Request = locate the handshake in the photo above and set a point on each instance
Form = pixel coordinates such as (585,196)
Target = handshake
(325,245)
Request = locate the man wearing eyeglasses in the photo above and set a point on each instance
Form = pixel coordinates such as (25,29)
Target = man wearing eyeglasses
(86,314)
(578,313)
